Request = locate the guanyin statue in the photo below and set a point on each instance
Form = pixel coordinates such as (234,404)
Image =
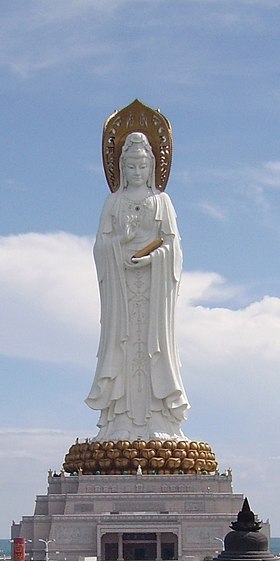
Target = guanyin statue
(137,385)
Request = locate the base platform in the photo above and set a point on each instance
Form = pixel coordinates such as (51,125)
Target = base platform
(131,517)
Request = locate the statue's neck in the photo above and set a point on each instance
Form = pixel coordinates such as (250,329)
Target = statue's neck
(138,193)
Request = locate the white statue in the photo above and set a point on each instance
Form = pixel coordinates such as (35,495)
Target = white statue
(137,385)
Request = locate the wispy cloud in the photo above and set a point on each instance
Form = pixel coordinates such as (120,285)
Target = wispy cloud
(211,210)
(250,188)
(26,457)
(269,174)
(11,184)
(36,37)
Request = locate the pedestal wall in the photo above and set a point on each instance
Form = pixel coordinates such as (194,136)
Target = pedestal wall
(84,512)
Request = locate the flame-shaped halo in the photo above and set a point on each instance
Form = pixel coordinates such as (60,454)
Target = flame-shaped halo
(137,117)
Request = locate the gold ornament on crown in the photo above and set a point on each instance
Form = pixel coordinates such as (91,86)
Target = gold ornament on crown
(137,117)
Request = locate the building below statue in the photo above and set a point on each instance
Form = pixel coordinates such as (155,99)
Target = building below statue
(130,517)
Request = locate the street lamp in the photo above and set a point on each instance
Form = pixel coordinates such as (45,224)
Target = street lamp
(46,542)
(222,542)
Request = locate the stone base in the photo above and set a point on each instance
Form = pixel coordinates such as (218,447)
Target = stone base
(123,517)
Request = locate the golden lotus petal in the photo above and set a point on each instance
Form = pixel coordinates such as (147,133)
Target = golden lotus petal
(187,463)
(105,463)
(107,445)
(130,453)
(123,444)
(179,453)
(142,462)
(157,463)
(170,444)
(193,454)
(148,453)
(173,463)
(98,454)
(94,446)
(164,453)
(113,453)
(182,444)
(200,465)
(139,444)
(121,463)
(193,445)
(202,455)
(86,455)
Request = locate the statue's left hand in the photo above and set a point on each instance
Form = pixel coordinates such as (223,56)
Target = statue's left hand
(137,263)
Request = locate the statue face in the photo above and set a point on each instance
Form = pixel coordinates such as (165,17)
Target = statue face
(137,169)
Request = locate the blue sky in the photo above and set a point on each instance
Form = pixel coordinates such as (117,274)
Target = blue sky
(212,67)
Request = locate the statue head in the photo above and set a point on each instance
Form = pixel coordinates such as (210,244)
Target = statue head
(137,146)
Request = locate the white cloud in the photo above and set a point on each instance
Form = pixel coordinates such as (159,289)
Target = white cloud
(250,189)
(271,174)
(221,334)
(37,37)
(198,286)
(212,210)
(26,456)
(50,312)
(34,444)
(49,299)
(264,174)
(230,361)
(256,476)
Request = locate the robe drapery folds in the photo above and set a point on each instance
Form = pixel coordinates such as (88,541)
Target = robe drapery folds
(165,396)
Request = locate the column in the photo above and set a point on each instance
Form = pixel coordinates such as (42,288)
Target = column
(99,544)
(120,546)
(158,555)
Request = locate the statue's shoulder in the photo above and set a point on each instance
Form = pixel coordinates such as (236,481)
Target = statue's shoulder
(111,197)
(164,196)
(165,200)
(110,200)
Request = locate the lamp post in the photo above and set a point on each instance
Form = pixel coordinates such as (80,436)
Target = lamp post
(222,542)
(46,542)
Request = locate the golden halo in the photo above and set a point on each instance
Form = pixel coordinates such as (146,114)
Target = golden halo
(137,117)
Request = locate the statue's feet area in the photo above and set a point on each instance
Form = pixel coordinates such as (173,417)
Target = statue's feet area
(154,457)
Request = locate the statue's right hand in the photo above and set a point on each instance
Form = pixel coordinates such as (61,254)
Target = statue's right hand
(130,229)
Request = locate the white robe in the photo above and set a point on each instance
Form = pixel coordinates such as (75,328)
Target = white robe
(137,385)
